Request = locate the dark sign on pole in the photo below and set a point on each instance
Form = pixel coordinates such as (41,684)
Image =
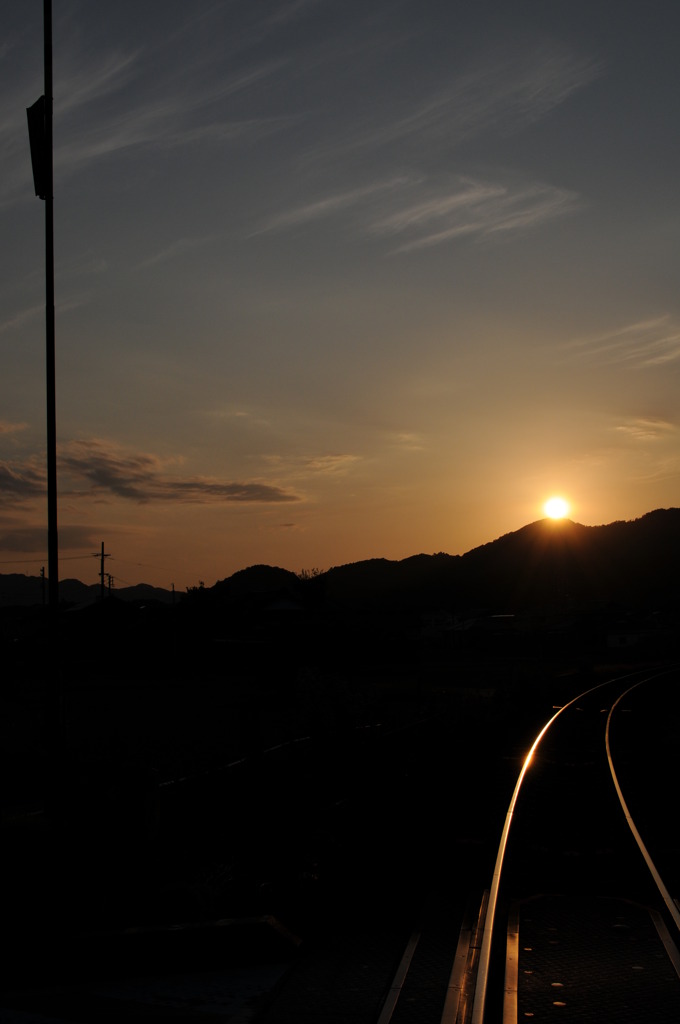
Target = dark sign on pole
(36,137)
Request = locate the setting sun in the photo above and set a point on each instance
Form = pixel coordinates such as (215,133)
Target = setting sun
(556,508)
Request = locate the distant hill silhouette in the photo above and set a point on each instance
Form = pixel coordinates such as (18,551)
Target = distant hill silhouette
(550,563)
(546,564)
(25,591)
(258,579)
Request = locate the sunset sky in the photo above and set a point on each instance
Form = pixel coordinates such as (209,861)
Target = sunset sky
(338,280)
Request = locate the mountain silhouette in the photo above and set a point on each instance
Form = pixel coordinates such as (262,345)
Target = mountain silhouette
(26,591)
(548,564)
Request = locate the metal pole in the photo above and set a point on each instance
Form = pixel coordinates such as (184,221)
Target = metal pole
(52,534)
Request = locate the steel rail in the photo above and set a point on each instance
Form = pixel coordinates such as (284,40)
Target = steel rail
(479,1004)
(395,989)
(457,1005)
(665,895)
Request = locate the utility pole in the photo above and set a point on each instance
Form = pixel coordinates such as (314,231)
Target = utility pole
(102,574)
(52,533)
(40,117)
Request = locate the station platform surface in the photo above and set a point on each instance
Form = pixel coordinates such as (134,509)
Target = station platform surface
(575,960)
(593,960)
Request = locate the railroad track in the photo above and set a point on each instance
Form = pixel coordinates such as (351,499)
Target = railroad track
(585,921)
(576,920)
(579,920)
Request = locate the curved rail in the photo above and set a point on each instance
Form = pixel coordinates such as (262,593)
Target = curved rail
(665,895)
(479,1004)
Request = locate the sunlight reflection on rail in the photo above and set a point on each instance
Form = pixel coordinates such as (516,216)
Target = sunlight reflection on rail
(485,953)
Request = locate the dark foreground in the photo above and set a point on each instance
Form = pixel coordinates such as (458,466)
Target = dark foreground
(204,826)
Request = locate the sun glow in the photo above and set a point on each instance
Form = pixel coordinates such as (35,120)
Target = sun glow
(556,507)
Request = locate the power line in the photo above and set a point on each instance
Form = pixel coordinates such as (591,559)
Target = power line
(31,561)
(142,565)
(82,558)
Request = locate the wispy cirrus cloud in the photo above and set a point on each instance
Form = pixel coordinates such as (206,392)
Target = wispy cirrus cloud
(507,88)
(290,11)
(324,463)
(106,468)
(8,427)
(160,127)
(21,317)
(647,429)
(21,483)
(328,206)
(476,209)
(421,214)
(408,442)
(645,344)
(174,250)
(332,463)
(165,94)
(80,83)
